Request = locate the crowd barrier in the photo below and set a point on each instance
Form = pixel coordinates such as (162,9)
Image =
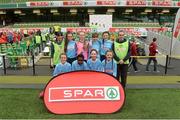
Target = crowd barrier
(30,62)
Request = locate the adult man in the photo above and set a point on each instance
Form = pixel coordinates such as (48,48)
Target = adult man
(57,48)
(152,53)
(121,50)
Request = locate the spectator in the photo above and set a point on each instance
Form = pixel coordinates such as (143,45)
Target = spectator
(38,42)
(134,53)
(152,53)
(4,37)
(10,37)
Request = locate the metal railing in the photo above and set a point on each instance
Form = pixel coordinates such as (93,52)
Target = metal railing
(34,69)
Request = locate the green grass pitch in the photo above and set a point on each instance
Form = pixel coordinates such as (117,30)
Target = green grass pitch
(140,104)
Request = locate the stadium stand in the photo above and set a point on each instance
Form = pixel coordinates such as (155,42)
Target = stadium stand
(47,25)
(12,1)
(66,19)
(18,1)
(73,24)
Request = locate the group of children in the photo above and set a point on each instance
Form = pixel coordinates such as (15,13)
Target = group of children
(76,47)
(108,65)
(95,54)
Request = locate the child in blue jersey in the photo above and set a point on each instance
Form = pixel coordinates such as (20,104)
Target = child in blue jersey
(106,44)
(63,66)
(94,63)
(95,43)
(109,64)
(70,48)
(79,64)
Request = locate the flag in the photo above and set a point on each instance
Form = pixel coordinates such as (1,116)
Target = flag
(176,31)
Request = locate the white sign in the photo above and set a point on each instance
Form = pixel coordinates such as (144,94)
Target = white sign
(100,22)
(94,93)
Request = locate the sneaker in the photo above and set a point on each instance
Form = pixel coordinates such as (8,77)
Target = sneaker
(147,71)
(136,71)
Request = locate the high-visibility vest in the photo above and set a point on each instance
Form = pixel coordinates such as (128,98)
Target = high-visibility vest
(43,37)
(121,50)
(57,28)
(51,37)
(38,39)
(58,50)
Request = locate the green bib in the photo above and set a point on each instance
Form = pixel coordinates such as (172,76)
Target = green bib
(57,28)
(58,50)
(121,50)
(43,37)
(38,39)
(51,37)
(23,46)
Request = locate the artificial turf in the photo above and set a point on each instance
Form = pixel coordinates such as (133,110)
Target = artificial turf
(140,104)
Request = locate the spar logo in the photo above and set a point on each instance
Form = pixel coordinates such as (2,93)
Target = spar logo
(84,92)
(112,93)
(95,93)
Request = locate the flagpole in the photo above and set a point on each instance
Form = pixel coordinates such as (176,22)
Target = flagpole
(170,51)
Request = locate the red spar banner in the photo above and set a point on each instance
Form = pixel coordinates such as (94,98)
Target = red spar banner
(35,4)
(86,30)
(84,92)
(162,2)
(178,4)
(136,2)
(130,31)
(73,3)
(105,2)
(164,29)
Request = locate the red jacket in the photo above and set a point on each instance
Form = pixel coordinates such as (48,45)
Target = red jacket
(152,49)
(3,39)
(134,49)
